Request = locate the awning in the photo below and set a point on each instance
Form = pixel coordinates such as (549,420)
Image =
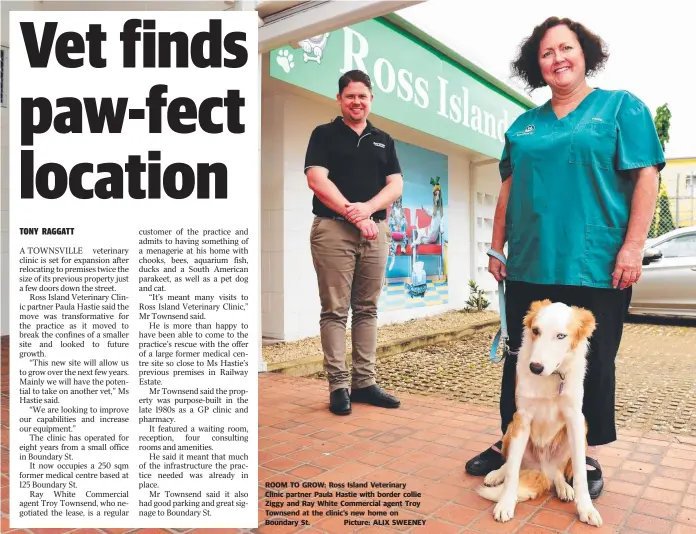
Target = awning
(286,22)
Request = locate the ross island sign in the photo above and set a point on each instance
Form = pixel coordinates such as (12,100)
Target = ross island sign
(413,83)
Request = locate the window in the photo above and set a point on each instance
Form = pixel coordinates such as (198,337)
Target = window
(690,186)
(683,246)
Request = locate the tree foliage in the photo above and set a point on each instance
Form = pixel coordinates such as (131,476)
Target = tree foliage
(662,220)
(662,119)
(476,299)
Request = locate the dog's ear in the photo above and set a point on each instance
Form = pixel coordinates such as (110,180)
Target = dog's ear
(584,325)
(533,310)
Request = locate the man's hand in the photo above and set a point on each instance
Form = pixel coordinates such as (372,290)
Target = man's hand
(496,268)
(369,229)
(357,211)
(629,265)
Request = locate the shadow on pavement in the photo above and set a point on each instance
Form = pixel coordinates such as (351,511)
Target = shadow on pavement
(665,321)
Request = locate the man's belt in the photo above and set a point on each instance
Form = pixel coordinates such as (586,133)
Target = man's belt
(340,218)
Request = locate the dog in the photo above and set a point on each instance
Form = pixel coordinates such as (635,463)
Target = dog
(431,234)
(546,443)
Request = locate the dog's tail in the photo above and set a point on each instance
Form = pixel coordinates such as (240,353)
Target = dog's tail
(532,484)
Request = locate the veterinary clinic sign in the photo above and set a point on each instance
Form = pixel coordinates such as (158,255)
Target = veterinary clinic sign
(413,84)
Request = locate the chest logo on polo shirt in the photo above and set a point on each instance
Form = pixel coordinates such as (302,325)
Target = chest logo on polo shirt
(529,130)
(378,144)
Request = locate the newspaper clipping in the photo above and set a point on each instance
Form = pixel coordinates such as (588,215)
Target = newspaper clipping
(134,260)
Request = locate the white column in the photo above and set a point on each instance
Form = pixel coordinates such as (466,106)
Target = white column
(262,364)
(251,6)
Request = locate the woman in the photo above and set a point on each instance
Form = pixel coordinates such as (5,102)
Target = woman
(579,186)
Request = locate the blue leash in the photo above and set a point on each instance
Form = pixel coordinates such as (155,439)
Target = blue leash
(502,334)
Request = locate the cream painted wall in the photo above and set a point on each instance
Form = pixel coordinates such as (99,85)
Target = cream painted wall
(291,116)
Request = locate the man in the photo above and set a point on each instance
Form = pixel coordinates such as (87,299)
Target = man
(354,172)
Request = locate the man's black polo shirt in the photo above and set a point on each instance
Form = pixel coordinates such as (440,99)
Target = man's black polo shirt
(357,164)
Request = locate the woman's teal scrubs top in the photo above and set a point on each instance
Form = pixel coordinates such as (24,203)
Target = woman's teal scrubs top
(570,200)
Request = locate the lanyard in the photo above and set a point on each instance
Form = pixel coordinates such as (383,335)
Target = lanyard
(502,334)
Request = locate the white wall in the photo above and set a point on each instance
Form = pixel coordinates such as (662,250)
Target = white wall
(272,228)
(301,304)
(289,286)
(485,191)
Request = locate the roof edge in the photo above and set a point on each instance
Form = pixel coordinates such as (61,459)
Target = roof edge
(458,58)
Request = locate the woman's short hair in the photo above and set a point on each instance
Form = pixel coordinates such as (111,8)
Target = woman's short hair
(526,65)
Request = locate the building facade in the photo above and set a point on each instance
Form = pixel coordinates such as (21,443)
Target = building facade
(679,179)
(448,119)
(447,116)
(280,22)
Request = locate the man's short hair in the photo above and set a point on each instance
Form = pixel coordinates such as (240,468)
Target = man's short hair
(353,76)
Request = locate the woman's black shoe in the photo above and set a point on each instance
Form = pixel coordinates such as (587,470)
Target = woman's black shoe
(595,481)
(489,460)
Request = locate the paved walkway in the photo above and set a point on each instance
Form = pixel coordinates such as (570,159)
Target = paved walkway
(650,486)
(656,374)
(650,477)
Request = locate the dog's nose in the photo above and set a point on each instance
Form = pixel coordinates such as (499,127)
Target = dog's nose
(536,368)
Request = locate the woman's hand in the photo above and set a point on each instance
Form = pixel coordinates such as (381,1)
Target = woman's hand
(629,266)
(496,268)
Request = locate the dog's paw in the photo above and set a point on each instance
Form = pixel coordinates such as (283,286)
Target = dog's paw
(565,491)
(589,514)
(504,510)
(495,478)
(527,495)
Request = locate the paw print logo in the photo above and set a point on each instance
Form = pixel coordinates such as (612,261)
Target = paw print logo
(285,60)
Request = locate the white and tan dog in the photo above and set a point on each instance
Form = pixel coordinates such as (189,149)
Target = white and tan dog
(546,441)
